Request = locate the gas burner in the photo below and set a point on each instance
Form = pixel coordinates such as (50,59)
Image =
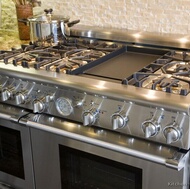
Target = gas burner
(182,67)
(161,82)
(99,45)
(84,54)
(177,68)
(70,61)
(179,56)
(166,83)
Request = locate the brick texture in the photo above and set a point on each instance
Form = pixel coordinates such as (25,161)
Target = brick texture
(165,16)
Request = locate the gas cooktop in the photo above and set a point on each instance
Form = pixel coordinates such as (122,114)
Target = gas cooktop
(144,67)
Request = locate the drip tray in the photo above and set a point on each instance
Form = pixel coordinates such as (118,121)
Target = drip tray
(125,62)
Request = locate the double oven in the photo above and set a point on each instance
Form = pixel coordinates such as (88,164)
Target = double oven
(84,129)
(42,151)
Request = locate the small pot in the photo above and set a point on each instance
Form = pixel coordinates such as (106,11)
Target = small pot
(48,29)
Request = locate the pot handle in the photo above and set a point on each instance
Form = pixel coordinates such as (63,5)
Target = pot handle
(70,24)
(64,30)
(65,27)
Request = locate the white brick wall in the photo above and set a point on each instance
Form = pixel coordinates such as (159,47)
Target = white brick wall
(166,16)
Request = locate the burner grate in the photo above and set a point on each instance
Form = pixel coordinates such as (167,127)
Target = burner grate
(164,74)
(65,57)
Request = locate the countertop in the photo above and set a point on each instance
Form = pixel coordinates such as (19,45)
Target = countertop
(10,39)
(135,37)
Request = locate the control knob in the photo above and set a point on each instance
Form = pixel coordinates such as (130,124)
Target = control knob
(89,117)
(38,105)
(119,120)
(150,128)
(7,93)
(172,134)
(20,97)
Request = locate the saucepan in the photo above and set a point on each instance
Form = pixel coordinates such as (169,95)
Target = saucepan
(48,29)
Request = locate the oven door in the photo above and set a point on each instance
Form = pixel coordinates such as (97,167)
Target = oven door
(16,170)
(68,155)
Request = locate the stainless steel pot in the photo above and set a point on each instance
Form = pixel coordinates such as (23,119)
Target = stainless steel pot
(48,29)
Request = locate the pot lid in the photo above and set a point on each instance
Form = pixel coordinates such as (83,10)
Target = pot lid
(49,17)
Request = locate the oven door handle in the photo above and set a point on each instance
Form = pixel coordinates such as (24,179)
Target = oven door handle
(177,161)
(8,112)
(14,117)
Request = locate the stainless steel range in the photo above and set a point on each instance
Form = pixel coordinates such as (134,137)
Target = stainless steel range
(103,111)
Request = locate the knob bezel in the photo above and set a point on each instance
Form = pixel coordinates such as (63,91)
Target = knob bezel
(119,118)
(7,93)
(20,97)
(152,124)
(175,130)
(92,116)
(38,106)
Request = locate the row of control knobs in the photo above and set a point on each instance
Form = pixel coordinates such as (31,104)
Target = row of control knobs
(171,132)
(20,97)
(150,127)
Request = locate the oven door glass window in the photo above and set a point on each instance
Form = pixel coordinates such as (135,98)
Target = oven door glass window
(80,170)
(11,159)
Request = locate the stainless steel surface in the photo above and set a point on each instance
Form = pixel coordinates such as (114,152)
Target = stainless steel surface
(9,117)
(11,113)
(133,36)
(131,151)
(172,133)
(5,186)
(97,103)
(98,87)
(108,140)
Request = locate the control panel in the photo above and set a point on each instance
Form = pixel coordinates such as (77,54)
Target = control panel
(148,122)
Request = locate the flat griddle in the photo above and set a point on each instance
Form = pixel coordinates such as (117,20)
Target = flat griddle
(121,63)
